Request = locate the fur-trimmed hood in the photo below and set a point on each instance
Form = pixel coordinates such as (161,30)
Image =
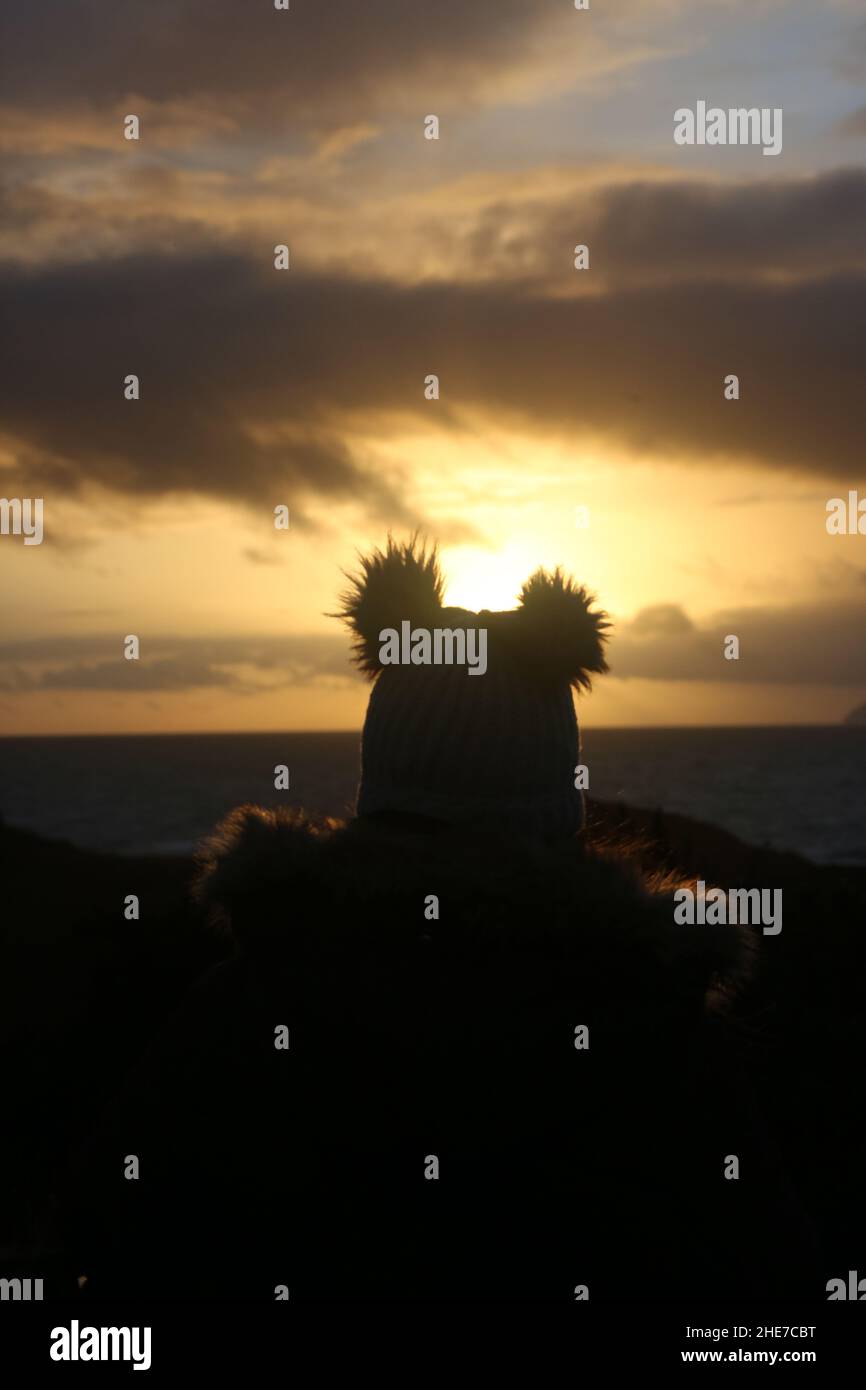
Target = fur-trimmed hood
(480,912)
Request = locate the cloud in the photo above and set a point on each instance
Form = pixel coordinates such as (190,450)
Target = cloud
(804,644)
(851,59)
(48,131)
(854,124)
(807,644)
(265,387)
(260,557)
(221,74)
(219,360)
(661,620)
(239,664)
(314,66)
(133,677)
(642,228)
(662,230)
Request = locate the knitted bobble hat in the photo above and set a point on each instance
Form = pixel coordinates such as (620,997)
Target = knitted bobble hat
(471,718)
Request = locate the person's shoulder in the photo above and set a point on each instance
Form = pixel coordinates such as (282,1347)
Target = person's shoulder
(274,877)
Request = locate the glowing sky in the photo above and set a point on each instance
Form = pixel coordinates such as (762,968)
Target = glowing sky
(560,390)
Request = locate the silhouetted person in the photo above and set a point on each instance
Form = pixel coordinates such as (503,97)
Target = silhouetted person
(457,1051)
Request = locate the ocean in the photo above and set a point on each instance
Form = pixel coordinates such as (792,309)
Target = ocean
(789,788)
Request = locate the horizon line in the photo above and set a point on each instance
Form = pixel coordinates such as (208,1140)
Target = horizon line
(267,733)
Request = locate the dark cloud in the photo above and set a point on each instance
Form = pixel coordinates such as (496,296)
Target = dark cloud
(256,384)
(642,232)
(322,59)
(802,644)
(242,665)
(220,355)
(260,557)
(661,620)
(855,124)
(851,60)
(171,673)
(808,644)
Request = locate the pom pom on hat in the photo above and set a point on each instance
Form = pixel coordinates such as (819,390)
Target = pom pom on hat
(554,633)
(402,581)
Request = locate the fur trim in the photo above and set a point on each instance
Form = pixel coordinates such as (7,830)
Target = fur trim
(283,883)
(403,581)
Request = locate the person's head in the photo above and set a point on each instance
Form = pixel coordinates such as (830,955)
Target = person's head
(471,718)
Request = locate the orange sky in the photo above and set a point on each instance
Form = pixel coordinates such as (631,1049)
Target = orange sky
(559,390)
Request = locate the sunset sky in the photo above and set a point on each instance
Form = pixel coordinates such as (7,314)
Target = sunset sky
(560,389)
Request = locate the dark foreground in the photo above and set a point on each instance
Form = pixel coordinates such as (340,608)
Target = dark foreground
(84,991)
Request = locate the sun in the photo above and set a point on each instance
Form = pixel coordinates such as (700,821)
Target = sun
(477,578)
